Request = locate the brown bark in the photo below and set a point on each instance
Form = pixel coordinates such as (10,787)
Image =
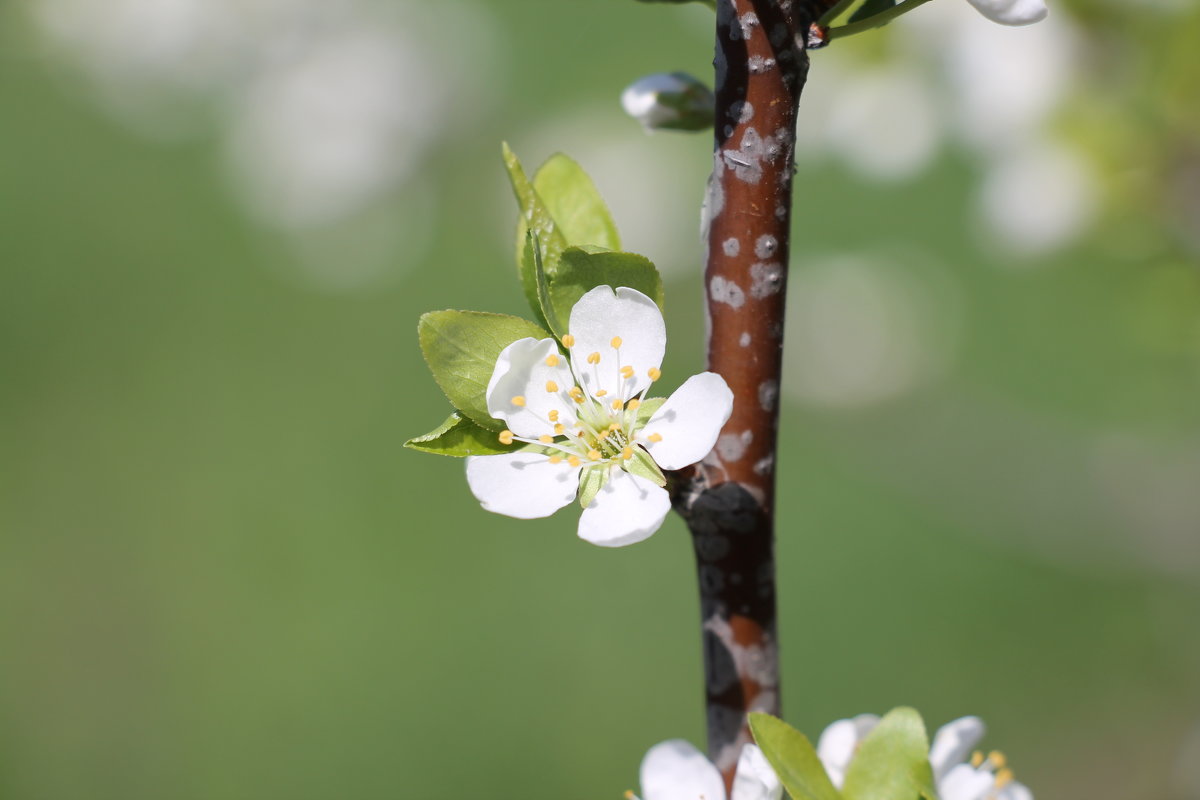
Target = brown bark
(728,500)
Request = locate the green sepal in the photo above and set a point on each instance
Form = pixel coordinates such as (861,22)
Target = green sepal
(536,217)
(892,763)
(580,271)
(646,410)
(591,481)
(571,198)
(461,348)
(870,8)
(793,758)
(460,437)
(643,466)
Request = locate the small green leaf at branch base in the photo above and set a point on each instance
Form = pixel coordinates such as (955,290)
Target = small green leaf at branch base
(794,760)
(461,348)
(892,763)
(870,8)
(710,3)
(460,437)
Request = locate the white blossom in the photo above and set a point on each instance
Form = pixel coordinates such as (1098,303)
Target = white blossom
(960,771)
(1012,12)
(580,413)
(676,770)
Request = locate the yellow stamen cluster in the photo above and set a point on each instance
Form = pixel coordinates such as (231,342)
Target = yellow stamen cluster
(1004,777)
(616,343)
(551,387)
(553,415)
(655,437)
(546,439)
(633,404)
(568,341)
(506,437)
(627,372)
(552,360)
(654,373)
(594,358)
(593,455)
(519,401)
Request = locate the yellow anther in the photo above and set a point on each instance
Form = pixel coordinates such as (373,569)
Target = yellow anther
(556,459)
(1003,777)
(601,392)
(546,439)
(655,373)
(568,341)
(574,461)
(629,795)
(655,437)
(559,429)
(552,360)
(518,401)
(579,434)
(976,759)
(616,426)
(551,386)
(627,372)
(603,434)
(616,342)
(554,415)
(593,455)
(618,404)
(997,758)
(576,394)
(506,437)
(633,404)
(594,358)
(627,453)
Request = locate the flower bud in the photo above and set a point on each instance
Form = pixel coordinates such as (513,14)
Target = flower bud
(670,101)
(1012,12)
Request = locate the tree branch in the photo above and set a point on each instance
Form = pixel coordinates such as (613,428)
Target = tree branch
(728,500)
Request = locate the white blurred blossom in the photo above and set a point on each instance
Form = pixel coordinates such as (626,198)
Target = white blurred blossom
(325,112)
(1038,196)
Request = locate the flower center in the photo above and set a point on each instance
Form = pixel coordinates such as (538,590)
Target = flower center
(996,763)
(606,416)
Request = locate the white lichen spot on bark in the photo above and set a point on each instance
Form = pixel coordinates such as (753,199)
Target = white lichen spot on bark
(766,279)
(731,247)
(745,339)
(768,394)
(766,246)
(726,291)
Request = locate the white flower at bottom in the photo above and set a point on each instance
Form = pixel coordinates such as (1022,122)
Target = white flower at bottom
(1012,12)
(675,770)
(981,778)
(579,413)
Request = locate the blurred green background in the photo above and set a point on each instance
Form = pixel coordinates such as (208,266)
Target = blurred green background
(222,576)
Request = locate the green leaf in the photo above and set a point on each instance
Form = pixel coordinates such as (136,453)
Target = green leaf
(870,8)
(642,465)
(591,481)
(574,204)
(580,271)
(892,763)
(461,348)
(793,758)
(460,437)
(535,216)
(533,256)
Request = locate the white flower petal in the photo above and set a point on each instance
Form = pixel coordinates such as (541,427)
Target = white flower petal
(953,742)
(598,317)
(754,779)
(689,422)
(1015,791)
(522,485)
(521,371)
(675,770)
(1012,12)
(840,741)
(627,510)
(966,783)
